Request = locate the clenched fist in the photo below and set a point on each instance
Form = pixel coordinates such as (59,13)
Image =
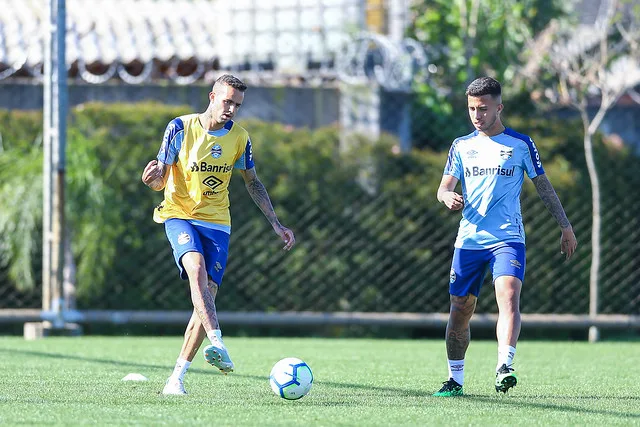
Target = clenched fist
(152,176)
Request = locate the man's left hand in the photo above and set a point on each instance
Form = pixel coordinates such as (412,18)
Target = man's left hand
(568,242)
(287,236)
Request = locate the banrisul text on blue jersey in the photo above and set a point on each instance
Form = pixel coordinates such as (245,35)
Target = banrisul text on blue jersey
(478,171)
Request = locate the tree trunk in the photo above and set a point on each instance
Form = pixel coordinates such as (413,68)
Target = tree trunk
(595,226)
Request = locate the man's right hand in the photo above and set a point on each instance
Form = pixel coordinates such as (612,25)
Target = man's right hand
(152,175)
(452,200)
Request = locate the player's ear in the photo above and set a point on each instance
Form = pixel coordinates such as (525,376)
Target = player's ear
(211,96)
(500,107)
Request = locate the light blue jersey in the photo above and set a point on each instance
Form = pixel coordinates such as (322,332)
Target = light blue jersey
(491,171)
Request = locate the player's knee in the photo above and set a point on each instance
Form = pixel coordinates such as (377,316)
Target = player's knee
(193,263)
(508,290)
(463,307)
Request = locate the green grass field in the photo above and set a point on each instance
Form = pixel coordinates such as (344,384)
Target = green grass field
(78,381)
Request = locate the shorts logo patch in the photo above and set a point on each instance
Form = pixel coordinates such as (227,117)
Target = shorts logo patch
(452,276)
(515,263)
(183,238)
(217,267)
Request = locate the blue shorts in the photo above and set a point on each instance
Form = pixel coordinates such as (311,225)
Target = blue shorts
(212,244)
(470,266)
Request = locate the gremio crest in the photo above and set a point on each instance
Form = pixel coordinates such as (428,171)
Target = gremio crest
(506,154)
(216,151)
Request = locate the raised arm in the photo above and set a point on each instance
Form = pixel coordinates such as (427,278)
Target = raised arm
(549,197)
(259,194)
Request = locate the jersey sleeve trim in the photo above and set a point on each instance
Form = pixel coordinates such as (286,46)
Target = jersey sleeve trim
(171,142)
(533,151)
(452,167)
(245,161)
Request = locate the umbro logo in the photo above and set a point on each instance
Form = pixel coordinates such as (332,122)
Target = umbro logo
(212,182)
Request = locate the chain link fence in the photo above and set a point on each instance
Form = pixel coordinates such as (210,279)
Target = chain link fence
(383,265)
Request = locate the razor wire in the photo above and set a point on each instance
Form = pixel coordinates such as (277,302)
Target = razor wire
(375,57)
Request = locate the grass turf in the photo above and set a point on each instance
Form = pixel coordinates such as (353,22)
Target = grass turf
(358,382)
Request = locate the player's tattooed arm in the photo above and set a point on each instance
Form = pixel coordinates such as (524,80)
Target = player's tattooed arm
(259,194)
(568,241)
(551,200)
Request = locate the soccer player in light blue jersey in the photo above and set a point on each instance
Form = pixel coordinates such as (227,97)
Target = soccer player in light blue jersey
(490,164)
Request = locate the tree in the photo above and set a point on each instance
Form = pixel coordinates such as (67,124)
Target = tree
(586,65)
(90,218)
(465,39)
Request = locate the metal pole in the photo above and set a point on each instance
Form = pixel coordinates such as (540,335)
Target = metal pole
(59,119)
(49,31)
(398,11)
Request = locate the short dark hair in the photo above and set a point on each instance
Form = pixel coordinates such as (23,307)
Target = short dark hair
(233,81)
(484,86)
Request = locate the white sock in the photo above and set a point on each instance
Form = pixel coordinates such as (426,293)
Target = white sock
(506,353)
(456,370)
(215,336)
(181,368)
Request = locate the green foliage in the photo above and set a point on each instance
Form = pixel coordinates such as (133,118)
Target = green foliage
(467,39)
(370,233)
(105,151)
(21,212)
(112,145)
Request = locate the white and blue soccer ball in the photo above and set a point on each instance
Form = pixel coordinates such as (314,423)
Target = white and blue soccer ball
(291,378)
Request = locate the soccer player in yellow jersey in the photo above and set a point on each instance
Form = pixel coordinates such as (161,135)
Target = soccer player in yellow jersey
(194,166)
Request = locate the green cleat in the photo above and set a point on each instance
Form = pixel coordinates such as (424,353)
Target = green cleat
(449,388)
(505,379)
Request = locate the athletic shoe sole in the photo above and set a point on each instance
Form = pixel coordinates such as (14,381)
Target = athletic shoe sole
(448,394)
(219,358)
(506,383)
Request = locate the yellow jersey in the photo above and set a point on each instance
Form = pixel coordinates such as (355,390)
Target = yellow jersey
(200,166)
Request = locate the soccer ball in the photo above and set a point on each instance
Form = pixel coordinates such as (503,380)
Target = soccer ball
(291,378)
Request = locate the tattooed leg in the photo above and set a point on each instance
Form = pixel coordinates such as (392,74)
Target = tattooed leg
(458,333)
(194,334)
(203,301)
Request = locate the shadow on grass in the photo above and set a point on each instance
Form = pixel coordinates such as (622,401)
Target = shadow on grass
(67,356)
(525,401)
(508,401)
